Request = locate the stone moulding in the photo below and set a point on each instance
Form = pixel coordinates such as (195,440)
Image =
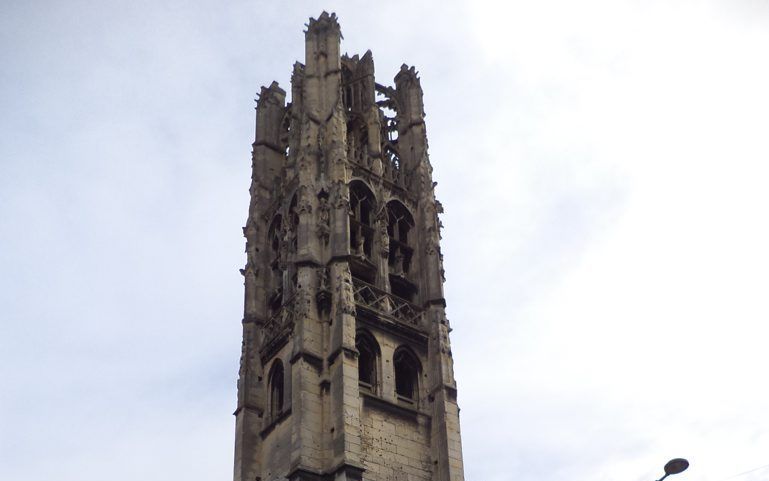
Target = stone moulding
(344,282)
(401,410)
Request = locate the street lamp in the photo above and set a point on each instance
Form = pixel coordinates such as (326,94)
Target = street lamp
(675,466)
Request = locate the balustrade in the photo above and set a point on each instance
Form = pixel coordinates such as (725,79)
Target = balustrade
(382,302)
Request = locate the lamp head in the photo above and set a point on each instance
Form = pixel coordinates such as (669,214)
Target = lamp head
(675,466)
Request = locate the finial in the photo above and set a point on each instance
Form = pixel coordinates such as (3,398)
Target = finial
(324,22)
(271,92)
(407,74)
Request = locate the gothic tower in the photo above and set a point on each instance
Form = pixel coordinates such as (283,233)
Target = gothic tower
(346,370)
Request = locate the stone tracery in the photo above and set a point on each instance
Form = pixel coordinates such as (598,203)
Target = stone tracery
(343,225)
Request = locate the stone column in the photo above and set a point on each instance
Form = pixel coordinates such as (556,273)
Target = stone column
(267,163)
(445,440)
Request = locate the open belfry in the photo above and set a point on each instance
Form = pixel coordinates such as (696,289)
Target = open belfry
(346,370)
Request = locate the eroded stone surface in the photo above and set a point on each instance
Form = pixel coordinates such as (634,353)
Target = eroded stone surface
(346,370)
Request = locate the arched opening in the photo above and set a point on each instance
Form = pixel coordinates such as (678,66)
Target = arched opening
(392,164)
(275,238)
(285,132)
(400,225)
(388,111)
(357,141)
(275,382)
(368,360)
(362,204)
(407,370)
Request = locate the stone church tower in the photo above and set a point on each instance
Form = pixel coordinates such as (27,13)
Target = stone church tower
(346,370)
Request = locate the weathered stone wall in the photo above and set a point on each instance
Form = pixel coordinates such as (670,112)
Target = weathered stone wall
(395,446)
(320,267)
(276,451)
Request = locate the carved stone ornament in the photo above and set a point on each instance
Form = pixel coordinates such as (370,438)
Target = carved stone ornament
(323,295)
(384,237)
(425,174)
(324,218)
(377,168)
(432,246)
(243,364)
(250,269)
(322,157)
(359,243)
(442,332)
(305,204)
(344,316)
(288,239)
(397,267)
(250,229)
(246,353)
(341,196)
(322,273)
(345,298)
(302,303)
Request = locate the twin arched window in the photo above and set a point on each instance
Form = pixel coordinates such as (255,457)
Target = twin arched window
(406,366)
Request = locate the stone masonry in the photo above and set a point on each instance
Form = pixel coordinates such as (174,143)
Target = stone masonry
(346,370)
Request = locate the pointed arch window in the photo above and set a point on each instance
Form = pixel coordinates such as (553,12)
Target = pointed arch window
(392,164)
(293,224)
(275,237)
(368,361)
(357,142)
(275,383)
(361,219)
(407,371)
(400,227)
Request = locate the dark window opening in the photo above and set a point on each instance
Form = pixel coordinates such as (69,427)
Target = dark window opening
(402,288)
(285,130)
(361,218)
(392,165)
(407,371)
(276,389)
(275,293)
(348,97)
(275,301)
(391,125)
(363,270)
(274,236)
(400,224)
(388,115)
(367,361)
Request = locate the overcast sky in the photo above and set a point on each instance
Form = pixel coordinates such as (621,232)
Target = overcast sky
(603,165)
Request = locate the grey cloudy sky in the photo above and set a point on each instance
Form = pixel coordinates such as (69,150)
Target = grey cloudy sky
(603,165)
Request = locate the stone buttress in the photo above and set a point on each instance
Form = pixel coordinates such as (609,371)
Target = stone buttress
(346,368)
